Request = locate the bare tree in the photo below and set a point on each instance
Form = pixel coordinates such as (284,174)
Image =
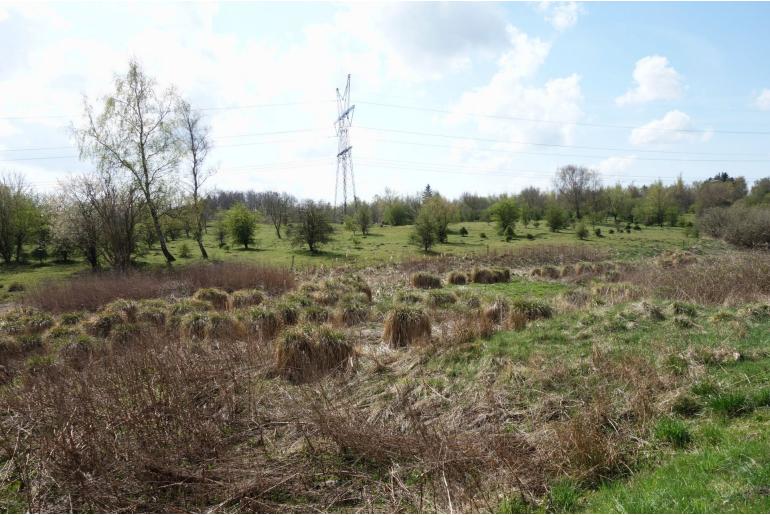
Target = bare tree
(106,211)
(135,133)
(277,207)
(195,138)
(574,183)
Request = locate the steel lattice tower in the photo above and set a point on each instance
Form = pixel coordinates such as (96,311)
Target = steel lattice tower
(344,148)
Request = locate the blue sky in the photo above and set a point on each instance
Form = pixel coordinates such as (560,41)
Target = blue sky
(465,96)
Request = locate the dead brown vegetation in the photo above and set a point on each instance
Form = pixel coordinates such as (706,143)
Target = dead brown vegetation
(93,290)
(405,325)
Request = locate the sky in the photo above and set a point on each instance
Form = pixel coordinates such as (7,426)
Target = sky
(466,97)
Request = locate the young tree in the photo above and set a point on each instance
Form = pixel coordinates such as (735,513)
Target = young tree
(195,138)
(276,206)
(574,183)
(555,217)
(442,213)
(504,213)
(312,228)
(363,218)
(425,231)
(241,224)
(136,133)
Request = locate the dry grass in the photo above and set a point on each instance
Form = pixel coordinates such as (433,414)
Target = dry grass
(246,298)
(455,277)
(214,296)
(425,280)
(406,325)
(93,290)
(307,352)
(497,312)
(490,275)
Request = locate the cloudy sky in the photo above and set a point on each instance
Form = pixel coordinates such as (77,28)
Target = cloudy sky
(467,97)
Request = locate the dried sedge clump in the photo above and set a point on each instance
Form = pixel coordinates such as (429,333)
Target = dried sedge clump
(218,298)
(425,280)
(551,272)
(578,298)
(405,325)
(456,277)
(355,283)
(152,312)
(126,309)
(101,324)
(127,333)
(669,259)
(567,271)
(517,320)
(315,314)
(409,297)
(351,312)
(440,299)
(246,298)
(263,323)
(288,313)
(195,325)
(532,309)
(616,293)
(186,306)
(490,275)
(308,352)
(471,326)
(224,327)
(497,311)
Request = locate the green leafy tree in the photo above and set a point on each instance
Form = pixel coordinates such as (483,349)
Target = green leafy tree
(504,213)
(424,234)
(312,228)
(241,224)
(556,217)
(363,218)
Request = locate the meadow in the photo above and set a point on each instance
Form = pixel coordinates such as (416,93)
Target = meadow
(623,373)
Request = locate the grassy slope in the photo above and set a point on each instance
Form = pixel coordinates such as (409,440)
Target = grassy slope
(385,244)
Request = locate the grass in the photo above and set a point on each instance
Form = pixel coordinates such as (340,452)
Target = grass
(383,245)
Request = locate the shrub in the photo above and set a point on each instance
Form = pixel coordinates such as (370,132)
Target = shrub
(739,225)
(218,298)
(509,234)
(598,232)
(490,275)
(612,231)
(637,228)
(532,309)
(683,308)
(463,231)
(581,231)
(673,431)
(307,352)
(483,236)
(245,298)
(530,236)
(405,325)
(425,280)
(439,299)
(184,251)
(14,287)
(730,404)
(456,277)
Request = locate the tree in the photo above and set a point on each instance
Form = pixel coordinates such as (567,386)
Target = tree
(442,213)
(504,213)
(195,138)
(363,218)
(574,183)
(581,231)
(312,228)
(427,193)
(136,133)
(241,224)
(397,212)
(276,206)
(555,217)
(425,231)
(656,205)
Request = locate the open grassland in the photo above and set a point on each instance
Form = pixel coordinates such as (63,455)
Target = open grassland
(384,245)
(575,376)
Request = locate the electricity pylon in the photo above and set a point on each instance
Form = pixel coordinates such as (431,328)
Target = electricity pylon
(344,148)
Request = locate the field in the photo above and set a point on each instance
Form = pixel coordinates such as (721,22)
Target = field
(384,245)
(627,373)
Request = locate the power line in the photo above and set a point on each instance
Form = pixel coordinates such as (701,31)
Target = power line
(582,124)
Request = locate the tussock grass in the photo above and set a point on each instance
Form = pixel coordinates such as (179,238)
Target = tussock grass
(441,299)
(425,280)
(216,297)
(457,278)
(497,312)
(246,298)
(307,352)
(406,325)
(490,275)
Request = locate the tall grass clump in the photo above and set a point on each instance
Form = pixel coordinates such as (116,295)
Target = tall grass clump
(307,352)
(425,280)
(405,325)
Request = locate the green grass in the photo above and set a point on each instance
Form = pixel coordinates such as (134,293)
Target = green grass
(384,244)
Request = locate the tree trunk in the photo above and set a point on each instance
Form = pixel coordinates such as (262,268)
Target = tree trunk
(199,238)
(161,237)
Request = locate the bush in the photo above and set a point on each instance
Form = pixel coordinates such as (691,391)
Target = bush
(425,280)
(598,232)
(581,231)
(184,251)
(463,231)
(509,234)
(530,236)
(673,431)
(637,228)
(405,325)
(216,297)
(308,352)
(612,231)
(483,236)
(455,277)
(739,225)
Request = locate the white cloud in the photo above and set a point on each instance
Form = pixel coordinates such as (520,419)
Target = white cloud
(615,165)
(763,100)
(561,15)
(674,127)
(655,79)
